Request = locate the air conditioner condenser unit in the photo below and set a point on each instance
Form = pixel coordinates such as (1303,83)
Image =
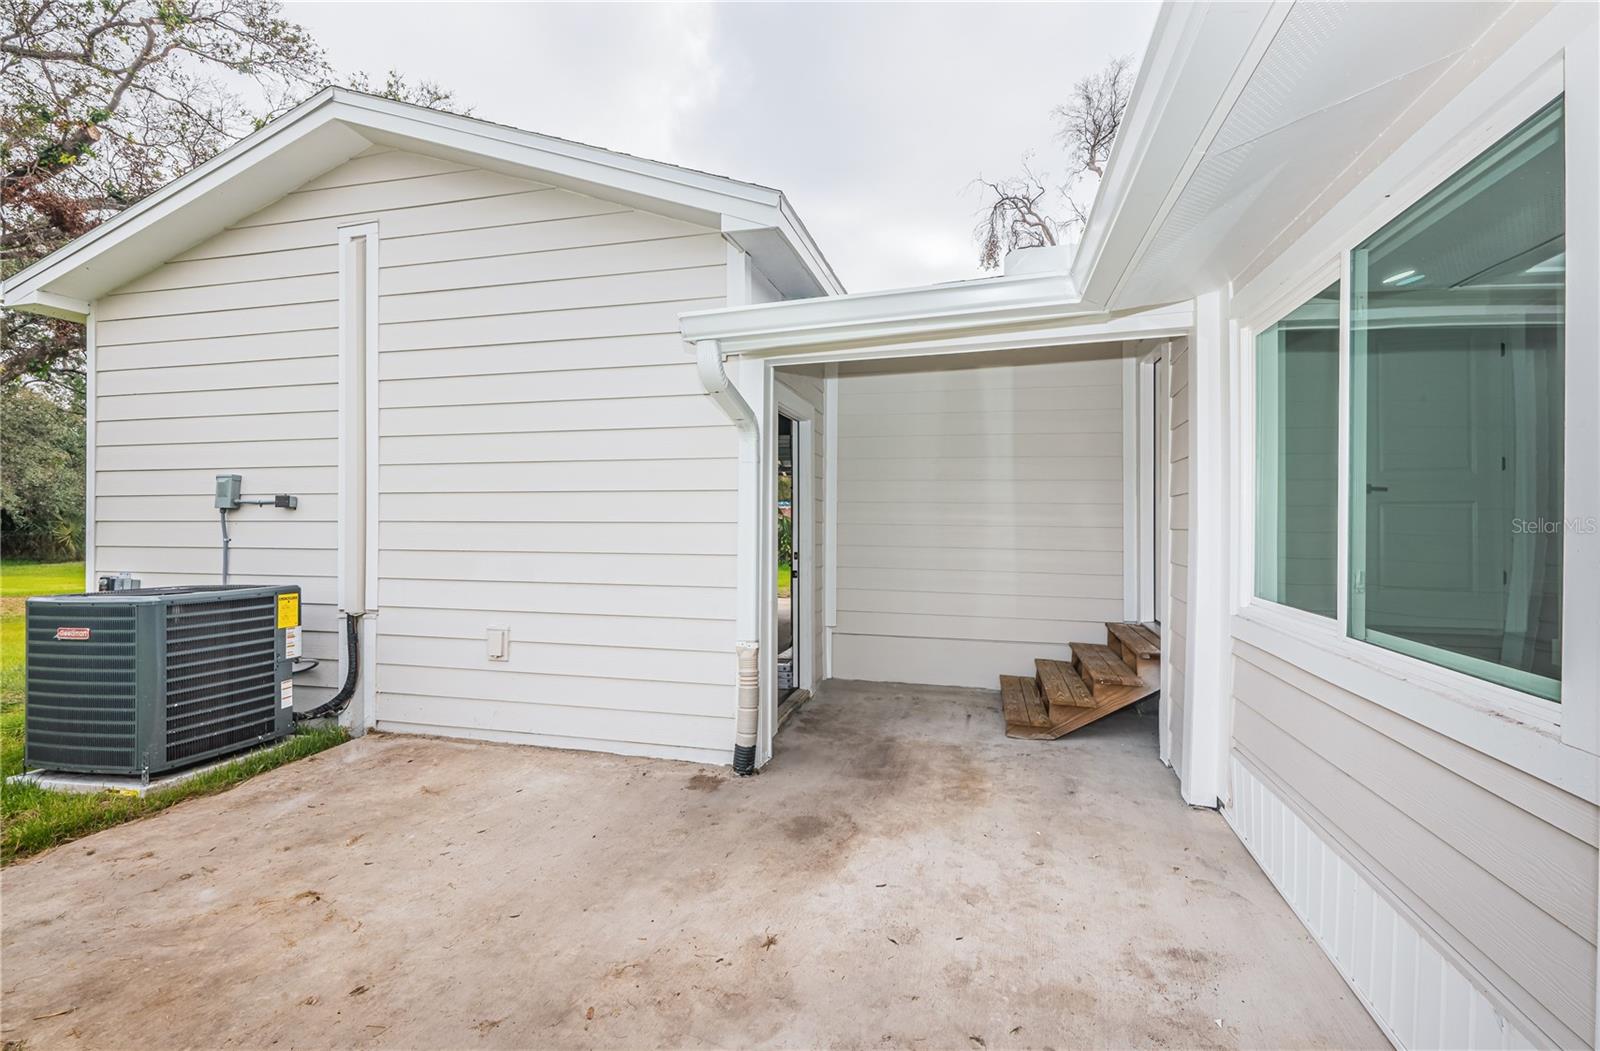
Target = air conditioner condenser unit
(145,680)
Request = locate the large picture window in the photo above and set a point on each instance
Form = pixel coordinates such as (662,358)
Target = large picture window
(1297,457)
(1456,429)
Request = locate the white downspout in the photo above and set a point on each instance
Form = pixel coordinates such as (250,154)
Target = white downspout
(722,391)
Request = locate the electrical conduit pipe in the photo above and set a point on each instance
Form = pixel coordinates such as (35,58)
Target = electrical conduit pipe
(722,391)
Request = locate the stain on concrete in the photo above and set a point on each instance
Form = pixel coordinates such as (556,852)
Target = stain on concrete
(1194,957)
(922,878)
(805,827)
(704,783)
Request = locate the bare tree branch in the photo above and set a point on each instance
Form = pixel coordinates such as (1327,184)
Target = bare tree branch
(1014,218)
(1087,124)
(1022,209)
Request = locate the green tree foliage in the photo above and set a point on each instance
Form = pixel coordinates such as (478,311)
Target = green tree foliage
(785,537)
(104,101)
(41,476)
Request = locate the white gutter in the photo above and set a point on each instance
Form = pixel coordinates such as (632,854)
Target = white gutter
(1029,299)
(748,616)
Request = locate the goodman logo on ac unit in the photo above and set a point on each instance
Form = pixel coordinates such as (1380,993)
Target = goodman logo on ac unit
(72,634)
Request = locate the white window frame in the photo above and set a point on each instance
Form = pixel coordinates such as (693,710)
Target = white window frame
(1275,311)
(1556,741)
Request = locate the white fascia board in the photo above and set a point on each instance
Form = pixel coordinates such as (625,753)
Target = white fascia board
(774,254)
(559,157)
(48,304)
(527,155)
(682,193)
(1199,58)
(898,313)
(239,180)
(334,126)
(809,251)
(1078,330)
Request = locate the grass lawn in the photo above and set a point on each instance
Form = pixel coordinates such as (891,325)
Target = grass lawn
(34,819)
(18,580)
(783,579)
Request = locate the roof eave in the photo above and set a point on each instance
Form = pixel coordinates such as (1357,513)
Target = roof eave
(896,313)
(31,287)
(1199,58)
(47,304)
(336,124)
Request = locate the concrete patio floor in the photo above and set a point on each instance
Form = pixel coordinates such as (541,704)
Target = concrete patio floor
(900,875)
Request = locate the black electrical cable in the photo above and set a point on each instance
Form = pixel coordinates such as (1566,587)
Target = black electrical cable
(338,702)
(302,664)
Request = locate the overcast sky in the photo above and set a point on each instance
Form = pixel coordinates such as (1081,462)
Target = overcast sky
(874,119)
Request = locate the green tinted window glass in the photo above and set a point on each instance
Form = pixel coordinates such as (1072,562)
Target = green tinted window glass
(1297,457)
(1456,418)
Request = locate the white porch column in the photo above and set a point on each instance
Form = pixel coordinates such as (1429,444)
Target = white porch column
(1208,704)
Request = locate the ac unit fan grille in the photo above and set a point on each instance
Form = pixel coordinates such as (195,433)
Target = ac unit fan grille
(222,686)
(81,692)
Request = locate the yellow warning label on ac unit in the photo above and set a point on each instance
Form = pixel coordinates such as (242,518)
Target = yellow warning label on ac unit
(288,609)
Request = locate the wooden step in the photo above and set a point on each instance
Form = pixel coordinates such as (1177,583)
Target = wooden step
(1136,639)
(1063,719)
(1061,686)
(1024,707)
(1102,668)
(1139,648)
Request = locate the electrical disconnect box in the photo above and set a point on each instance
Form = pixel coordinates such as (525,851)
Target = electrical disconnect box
(228,491)
(230,496)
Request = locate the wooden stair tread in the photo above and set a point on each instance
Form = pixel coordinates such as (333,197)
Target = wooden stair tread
(1068,719)
(1137,638)
(1076,718)
(1023,705)
(1102,666)
(1061,686)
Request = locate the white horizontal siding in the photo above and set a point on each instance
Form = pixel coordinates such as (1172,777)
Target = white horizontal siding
(673,634)
(547,460)
(532,417)
(548,463)
(669,538)
(699,739)
(524,357)
(637,444)
(642,505)
(1502,870)
(980,519)
(1175,628)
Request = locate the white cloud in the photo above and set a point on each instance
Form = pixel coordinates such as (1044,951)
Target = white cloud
(873,118)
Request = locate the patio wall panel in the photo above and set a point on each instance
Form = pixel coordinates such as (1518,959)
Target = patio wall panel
(980,518)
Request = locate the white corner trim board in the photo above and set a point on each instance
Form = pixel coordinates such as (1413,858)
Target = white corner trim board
(1418,996)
